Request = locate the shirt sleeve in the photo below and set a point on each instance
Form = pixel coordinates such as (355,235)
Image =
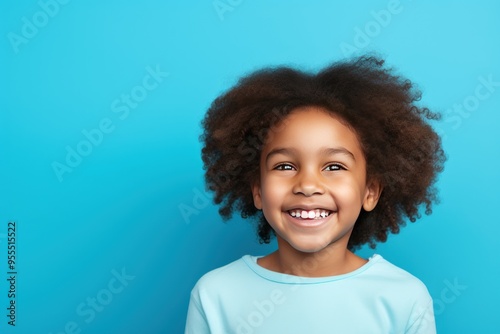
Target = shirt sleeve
(196,322)
(425,322)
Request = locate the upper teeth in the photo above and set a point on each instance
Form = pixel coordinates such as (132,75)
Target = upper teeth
(311,214)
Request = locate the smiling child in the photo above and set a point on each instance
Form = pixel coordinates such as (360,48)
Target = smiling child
(326,163)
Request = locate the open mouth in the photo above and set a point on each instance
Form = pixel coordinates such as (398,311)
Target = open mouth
(309,214)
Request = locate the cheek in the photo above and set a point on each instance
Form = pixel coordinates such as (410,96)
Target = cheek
(347,192)
(273,194)
(270,199)
(274,186)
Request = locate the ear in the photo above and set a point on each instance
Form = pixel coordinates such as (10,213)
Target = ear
(257,197)
(373,192)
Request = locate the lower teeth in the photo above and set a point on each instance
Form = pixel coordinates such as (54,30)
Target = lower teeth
(315,218)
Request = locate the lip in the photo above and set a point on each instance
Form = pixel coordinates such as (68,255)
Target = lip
(308,223)
(308,207)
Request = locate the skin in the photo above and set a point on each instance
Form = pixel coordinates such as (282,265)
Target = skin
(296,172)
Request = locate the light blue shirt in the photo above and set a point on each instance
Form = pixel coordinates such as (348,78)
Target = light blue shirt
(245,298)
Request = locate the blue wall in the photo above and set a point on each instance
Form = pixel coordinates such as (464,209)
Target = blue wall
(99,125)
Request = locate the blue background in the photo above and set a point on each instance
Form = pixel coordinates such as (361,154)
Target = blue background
(120,207)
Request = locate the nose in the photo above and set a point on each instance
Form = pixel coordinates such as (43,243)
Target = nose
(308,184)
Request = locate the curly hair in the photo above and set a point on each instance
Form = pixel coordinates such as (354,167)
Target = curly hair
(402,150)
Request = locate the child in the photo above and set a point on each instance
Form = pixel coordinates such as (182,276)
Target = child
(326,162)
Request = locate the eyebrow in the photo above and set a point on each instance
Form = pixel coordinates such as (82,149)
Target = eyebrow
(325,152)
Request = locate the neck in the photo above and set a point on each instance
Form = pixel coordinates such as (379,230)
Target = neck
(334,259)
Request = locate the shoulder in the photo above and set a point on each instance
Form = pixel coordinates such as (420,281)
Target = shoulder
(403,291)
(392,272)
(390,277)
(224,277)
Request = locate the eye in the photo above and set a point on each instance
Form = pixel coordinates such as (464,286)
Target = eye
(284,167)
(334,167)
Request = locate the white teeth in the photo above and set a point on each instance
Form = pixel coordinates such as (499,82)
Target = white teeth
(311,214)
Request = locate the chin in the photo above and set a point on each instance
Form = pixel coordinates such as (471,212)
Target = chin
(309,246)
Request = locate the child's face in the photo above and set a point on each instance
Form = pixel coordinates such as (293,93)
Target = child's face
(313,181)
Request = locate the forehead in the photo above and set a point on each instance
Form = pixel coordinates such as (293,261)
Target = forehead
(312,129)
